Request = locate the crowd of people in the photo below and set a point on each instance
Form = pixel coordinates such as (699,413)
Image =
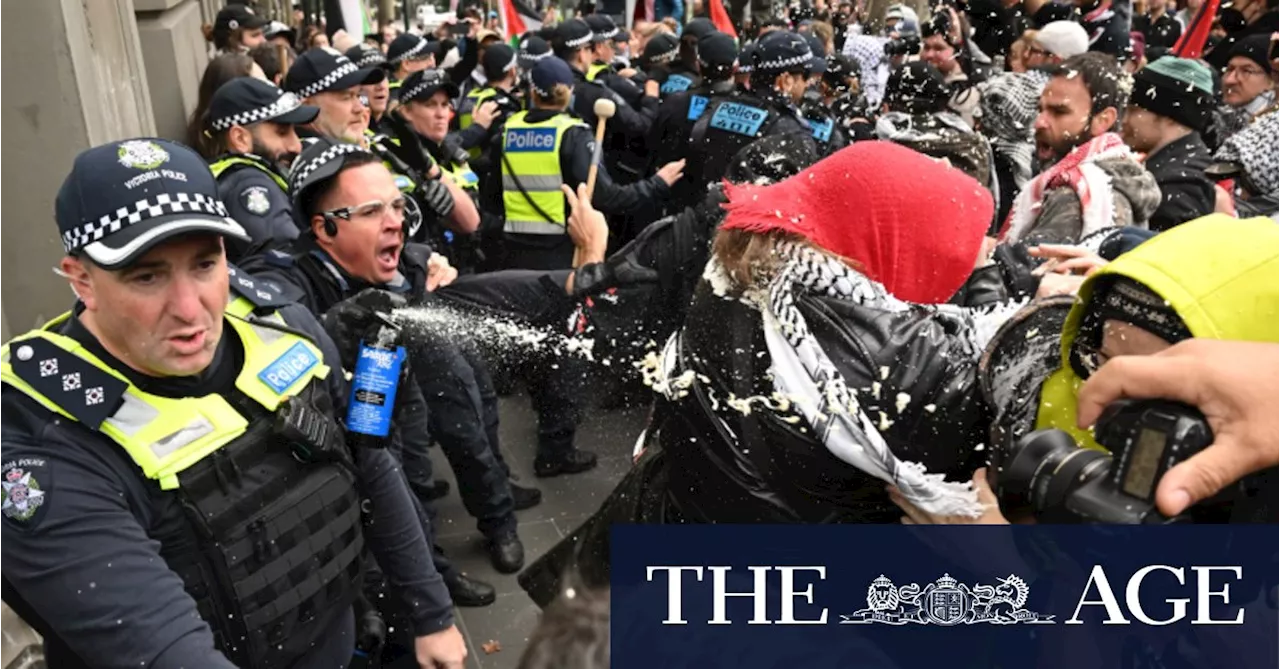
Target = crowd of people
(855,258)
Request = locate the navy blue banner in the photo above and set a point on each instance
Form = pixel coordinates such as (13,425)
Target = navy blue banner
(756,596)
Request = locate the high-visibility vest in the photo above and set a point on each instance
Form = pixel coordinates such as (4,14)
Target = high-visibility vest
(477,97)
(218,167)
(531,155)
(595,69)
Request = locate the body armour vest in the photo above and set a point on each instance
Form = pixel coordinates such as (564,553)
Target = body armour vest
(268,537)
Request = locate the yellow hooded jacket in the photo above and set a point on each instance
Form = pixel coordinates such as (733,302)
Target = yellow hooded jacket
(1222,276)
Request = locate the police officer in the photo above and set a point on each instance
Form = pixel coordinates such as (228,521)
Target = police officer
(669,140)
(340,254)
(781,65)
(426,105)
(829,134)
(628,130)
(485,107)
(603,36)
(168,444)
(659,56)
(329,80)
(252,124)
(377,96)
(841,88)
(538,151)
(532,49)
(409,53)
(542,149)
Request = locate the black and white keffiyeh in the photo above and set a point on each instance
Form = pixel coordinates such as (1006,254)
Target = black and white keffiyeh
(804,374)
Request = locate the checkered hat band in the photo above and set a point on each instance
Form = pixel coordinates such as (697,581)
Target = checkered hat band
(575,43)
(163,204)
(785,63)
(417,49)
(328,80)
(371,58)
(300,173)
(424,85)
(285,104)
(533,57)
(666,56)
(613,32)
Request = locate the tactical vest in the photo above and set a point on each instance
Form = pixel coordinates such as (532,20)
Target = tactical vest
(531,159)
(269,541)
(595,70)
(677,83)
(726,126)
(234,162)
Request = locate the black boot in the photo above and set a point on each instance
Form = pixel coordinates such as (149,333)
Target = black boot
(469,592)
(573,462)
(506,552)
(524,498)
(429,493)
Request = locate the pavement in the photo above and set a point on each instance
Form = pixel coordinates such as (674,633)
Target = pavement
(566,502)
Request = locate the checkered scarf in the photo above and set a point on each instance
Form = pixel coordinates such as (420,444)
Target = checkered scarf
(1010,103)
(1079,172)
(803,373)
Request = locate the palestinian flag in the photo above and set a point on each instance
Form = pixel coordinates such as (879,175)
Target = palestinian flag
(518,18)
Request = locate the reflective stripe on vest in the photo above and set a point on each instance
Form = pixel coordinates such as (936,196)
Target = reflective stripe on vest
(222,165)
(165,436)
(532,155)
(595,69)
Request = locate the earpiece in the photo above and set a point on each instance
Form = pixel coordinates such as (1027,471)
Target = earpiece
(330,226)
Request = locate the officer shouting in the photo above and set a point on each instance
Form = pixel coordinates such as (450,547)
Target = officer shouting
(354,239)
(177,490)
(251,124)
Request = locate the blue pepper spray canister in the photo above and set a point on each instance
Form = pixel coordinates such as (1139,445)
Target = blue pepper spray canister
(374,384)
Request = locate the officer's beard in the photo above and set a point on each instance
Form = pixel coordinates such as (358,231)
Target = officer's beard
(281,160)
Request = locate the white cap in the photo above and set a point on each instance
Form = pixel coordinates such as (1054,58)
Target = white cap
(1063,39)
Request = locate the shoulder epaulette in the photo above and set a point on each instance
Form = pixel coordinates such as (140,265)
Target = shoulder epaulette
(79,388)
(261,293)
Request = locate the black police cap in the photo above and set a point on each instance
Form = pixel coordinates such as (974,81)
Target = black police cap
(325,69)
(249,100)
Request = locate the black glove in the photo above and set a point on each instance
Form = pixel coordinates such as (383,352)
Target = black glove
(349,320)
(435,196)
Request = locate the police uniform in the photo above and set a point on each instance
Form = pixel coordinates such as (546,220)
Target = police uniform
(250,186)
(163,521)
(627,131)
(460,405)
(732,122)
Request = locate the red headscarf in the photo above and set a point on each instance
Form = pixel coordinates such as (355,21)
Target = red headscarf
(909,221)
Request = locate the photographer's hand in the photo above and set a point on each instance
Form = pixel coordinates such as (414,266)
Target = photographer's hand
(1235,386)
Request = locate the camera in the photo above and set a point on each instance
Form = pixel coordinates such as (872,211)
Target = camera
(902,46)
(1064,483)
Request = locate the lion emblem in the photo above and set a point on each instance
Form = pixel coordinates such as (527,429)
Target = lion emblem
(142,154)
(881,595)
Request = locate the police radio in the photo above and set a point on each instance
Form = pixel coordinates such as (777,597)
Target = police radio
(374,383)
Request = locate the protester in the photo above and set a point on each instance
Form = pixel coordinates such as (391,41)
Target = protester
(1248,88)
(236,29)
(220,70)
(1172,102)
(1089,179)
(1248,159)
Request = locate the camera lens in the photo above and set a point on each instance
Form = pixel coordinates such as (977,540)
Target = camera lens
(1042,468)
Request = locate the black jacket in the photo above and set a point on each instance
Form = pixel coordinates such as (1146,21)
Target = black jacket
(1186,193)
(669,137)
(258,203)
(759,467)
(625,133)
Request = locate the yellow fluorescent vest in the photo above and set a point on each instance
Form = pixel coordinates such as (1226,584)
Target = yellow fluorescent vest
(220,166)
(595,69)
(165,436)
(531,156)
(1220,274)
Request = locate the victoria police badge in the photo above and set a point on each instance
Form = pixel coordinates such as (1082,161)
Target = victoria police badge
(947,602)
(22,495)
(255,199)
